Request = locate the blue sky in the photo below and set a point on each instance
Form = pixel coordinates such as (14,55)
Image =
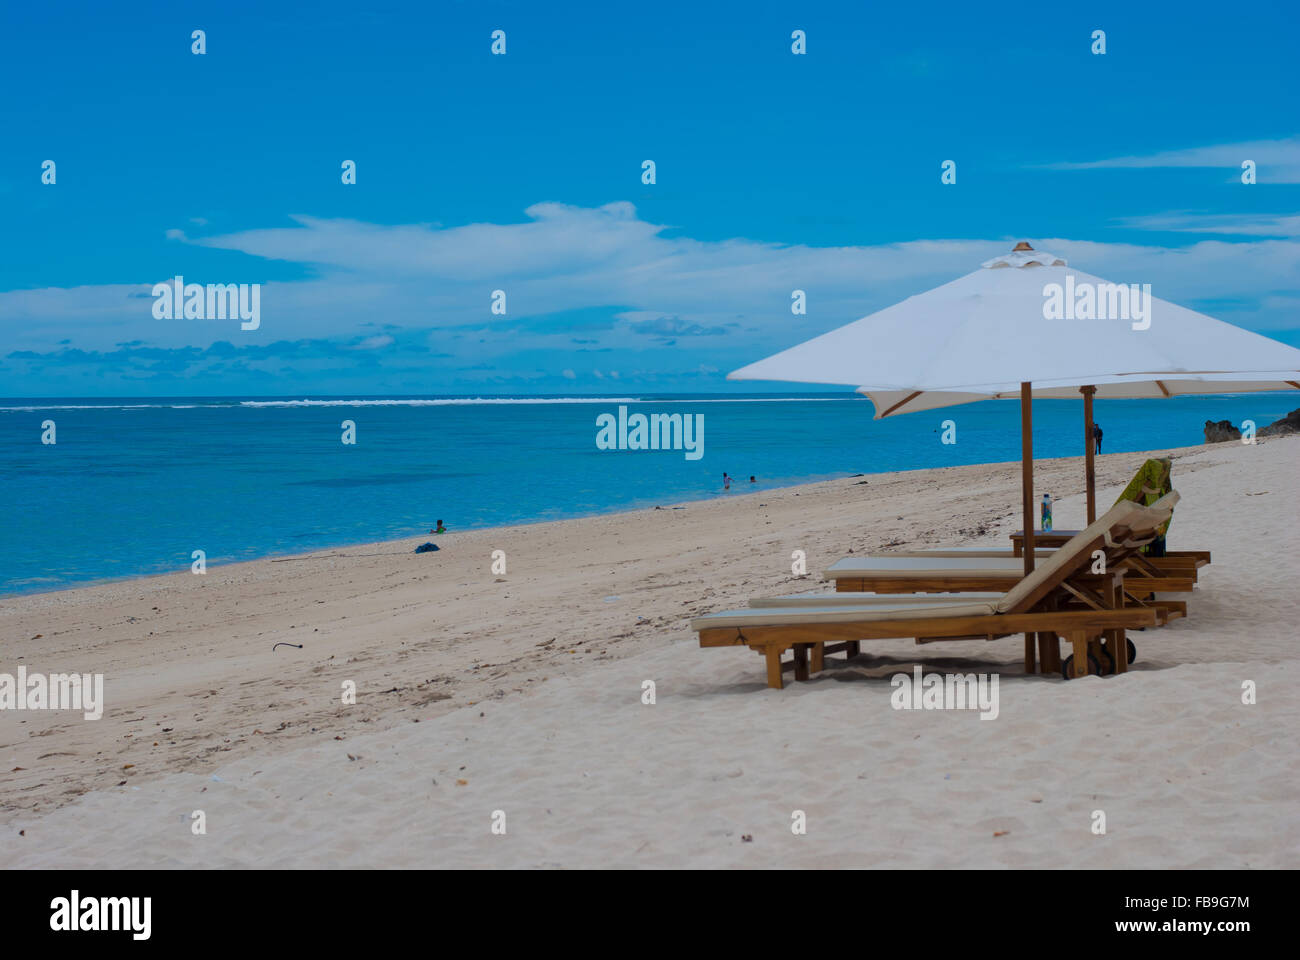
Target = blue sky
(523,173)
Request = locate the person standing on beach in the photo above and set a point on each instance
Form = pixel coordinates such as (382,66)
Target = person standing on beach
(1096,437)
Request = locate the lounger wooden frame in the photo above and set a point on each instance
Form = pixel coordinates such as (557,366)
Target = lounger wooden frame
(1079,588)
(1056,538)
(1083,630)
(1123,550)
(1183,564)
(1139,588)
(1046,612)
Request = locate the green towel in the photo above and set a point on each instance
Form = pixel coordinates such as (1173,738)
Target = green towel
(1149,484)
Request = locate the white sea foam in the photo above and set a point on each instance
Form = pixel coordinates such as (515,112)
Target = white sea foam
(105,406)
(448,401)
(755,400)
(438,402)
(465,401)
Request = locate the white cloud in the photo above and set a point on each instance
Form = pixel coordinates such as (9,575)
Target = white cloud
(726,301)
(1227,224)
(1278,161)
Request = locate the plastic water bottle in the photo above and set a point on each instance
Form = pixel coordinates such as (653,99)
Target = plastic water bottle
(1047,512)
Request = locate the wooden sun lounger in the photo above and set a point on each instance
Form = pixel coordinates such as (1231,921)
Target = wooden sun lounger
(1178,567)
(1051,539)
(1166,609)
(1175,567)
(1173,560)
(1181,558)
(823,599)
(810,632)
(882,575)
(998,553)
(908,573)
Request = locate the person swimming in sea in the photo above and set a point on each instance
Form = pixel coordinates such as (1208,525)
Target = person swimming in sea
(726,481)
(440,528)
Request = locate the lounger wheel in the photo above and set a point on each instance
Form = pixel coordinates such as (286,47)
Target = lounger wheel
(1067,667)
(1108,662)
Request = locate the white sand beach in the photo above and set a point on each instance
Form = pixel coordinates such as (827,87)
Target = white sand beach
(523,694)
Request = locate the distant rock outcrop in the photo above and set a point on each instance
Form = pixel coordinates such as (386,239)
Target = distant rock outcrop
(1280,428)
(1224,431)
(1221,431)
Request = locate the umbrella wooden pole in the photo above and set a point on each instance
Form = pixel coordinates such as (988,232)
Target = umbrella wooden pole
(1027,495)
(1089,447)
(1027,471)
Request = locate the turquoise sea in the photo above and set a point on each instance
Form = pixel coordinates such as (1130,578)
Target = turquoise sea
(133,486)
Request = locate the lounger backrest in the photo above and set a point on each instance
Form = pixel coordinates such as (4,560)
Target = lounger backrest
(1167,502)
(1156,523)
(1076,552)
(1154,476)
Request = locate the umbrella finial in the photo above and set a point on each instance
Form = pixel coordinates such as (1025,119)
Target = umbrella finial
(1023,255)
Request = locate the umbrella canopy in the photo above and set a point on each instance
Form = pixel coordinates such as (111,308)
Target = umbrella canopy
(888,403)
(987,332)
(1022,321)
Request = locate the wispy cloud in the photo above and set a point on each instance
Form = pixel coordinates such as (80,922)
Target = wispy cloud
(376,342)
(581,281)
(1277,161)
(1227,224)
(657,325)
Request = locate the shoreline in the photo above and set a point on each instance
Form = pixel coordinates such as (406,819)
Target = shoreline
(320,553)
(353,545)
(440,647)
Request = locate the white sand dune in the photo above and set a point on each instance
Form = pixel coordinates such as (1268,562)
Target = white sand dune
(470,701)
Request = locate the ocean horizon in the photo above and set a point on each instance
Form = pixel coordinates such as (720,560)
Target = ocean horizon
(133,486)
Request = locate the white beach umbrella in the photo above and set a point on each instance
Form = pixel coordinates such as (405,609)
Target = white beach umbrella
(995,326)
(889,403)
(1025,325)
